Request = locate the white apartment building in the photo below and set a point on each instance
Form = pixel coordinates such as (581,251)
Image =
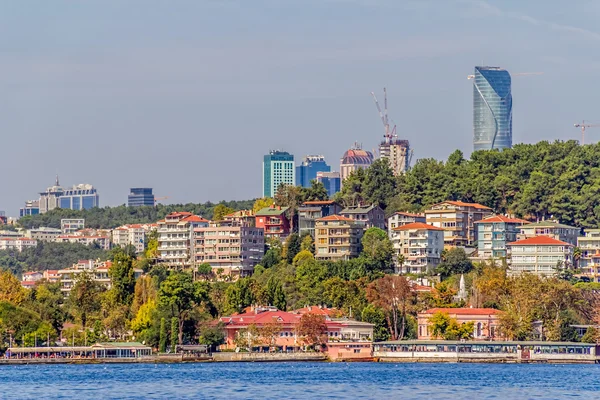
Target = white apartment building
(403,218)
(16,243)
(134,234)
(175,234)
(417,247)
(69,226)
(589,262)
(102,241)
(98,269)
(538,255)
(237,249)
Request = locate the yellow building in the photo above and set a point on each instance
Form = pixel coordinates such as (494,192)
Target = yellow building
(337,238)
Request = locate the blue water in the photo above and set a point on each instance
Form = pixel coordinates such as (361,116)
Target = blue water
(300,381)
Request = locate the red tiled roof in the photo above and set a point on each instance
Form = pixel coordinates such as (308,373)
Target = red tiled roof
(409,214)
(319,202)
(502,218)
(417,225)
(540,240)
(463,204)
(194,218)
(335,218)
(316,310)
(464,311)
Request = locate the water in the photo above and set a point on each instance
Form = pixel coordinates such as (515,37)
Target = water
(300,381)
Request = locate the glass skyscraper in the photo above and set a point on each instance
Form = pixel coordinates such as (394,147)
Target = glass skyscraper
(492,109)
(79,197)
(307,171)
(278,168)
(140,197)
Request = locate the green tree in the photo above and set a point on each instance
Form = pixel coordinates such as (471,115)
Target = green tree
(220,211)
(11,289)
(204,270)
(178,294)
(212,335)
(376,316)
(275,294)
(292,247)
(239,295)
(174,336)
(85,298)
(162,347)
(454,261)
(122,277)
(315,192)
(259,204)
(307,243)
(377,246)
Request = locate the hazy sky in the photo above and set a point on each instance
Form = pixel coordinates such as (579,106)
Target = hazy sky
(186,96)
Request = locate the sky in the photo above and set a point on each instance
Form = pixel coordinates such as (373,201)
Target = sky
(186,96)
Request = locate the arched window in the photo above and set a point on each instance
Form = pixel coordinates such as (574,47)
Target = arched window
(478,331)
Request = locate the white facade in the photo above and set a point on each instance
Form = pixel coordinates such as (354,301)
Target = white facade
(43,233)
(175,234)
(134,235)
(403,218)
(539,255)
(419,245)
(102,241)
(97,269)
(589,262)
(70,226)
(19,244)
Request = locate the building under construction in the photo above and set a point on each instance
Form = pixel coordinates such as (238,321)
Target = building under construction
(397,151)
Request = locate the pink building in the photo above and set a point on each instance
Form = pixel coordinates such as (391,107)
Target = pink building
(275,222)
(486,321)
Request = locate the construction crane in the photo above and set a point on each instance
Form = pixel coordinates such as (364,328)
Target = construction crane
(516,74)
(583,126)
(389,134)
(157,199)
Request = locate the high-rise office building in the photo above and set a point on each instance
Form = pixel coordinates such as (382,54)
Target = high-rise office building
(49,199)
(278,168)
(32,207)
(492,109)
(140,197)
(331,181)
(307,171)
(79,197)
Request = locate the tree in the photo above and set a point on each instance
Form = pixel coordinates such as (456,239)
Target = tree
(275,294)
(271,258)
(11,289)
(239,295)
(247,337)
(292,247)
(220,211)
(270,331)
(448,328)
(162,347)
(377,246)
(454,261)
(122,277)
(178,294)
(144,292)
(312,328)
(315,192)
(289,196)
(259,204)
(394,295)
(307,243)
(84,298)
(174,335)
(204,270)
(212,335)
(376,316)
(47,300)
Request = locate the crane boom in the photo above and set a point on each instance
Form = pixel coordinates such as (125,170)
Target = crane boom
(583,126)
(378,108)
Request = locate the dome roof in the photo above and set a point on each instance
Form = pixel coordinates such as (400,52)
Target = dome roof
(357,156)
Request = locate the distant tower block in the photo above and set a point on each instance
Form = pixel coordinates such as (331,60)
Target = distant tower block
(397,152)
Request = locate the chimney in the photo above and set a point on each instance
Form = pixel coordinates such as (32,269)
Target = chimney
(279,208)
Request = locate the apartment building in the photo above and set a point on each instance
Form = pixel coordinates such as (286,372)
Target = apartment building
(538,255)
(371,216)
(417,247)
(234,248)
(589,261)
(69,226)
(16,243)
(96,268)
(132,234)
(175,234)
(458,219)
(310,211)
(275,222)
(403,218)
(337,238)
(43,234)
(552,229)
(30,279)
(102,241)
(494,232)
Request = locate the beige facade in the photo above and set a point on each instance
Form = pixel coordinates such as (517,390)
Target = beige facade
(15,243)
(589,262)
(236,249)
(43,233)
(458,220)
(417,248)
(552,229)
(134,235)
(337,238)
(97,269)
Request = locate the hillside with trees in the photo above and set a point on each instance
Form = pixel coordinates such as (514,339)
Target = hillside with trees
(112,217)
